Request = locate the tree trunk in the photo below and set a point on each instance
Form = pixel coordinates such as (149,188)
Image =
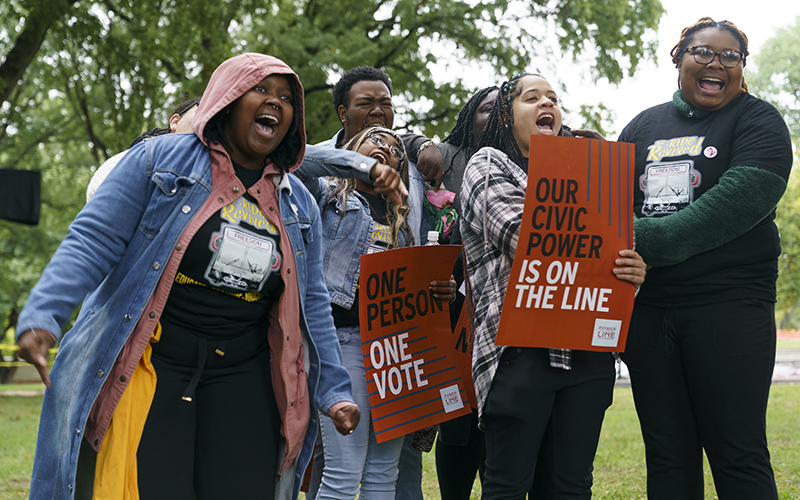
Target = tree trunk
(37,23)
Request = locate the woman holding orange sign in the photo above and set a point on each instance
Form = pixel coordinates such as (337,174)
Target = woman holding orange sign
(365,213)
(521,391)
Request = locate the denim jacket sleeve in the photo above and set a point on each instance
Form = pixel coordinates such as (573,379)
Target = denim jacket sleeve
(95,243)
(334,381)
(321,161)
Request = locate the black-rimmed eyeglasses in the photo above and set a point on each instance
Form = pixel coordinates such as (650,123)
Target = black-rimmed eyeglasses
(394,150)
(704,55)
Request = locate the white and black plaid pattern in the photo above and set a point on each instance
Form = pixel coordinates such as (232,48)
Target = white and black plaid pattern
(493,198)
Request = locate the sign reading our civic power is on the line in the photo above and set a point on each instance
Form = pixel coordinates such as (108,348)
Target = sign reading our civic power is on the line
(578,215)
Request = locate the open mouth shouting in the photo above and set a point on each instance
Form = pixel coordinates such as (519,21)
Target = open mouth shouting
(545,124)
(380,156)
(267,124)
(710,85)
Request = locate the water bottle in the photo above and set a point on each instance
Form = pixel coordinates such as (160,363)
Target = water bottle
(433,238)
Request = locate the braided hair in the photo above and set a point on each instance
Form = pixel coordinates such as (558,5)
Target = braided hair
(687,35)
(499,133)
(285,155)
(462,134)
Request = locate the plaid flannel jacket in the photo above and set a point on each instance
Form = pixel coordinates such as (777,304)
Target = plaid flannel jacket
(493,198)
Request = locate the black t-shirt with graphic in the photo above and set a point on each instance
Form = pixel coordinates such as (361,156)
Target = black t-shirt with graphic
(678,158)
(380,238)
(230,274)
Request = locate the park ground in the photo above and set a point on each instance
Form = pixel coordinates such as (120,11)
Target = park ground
(619,465)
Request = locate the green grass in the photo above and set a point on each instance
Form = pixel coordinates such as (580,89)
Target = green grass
(619,465)
(788,344)
(20,387)
(19,418)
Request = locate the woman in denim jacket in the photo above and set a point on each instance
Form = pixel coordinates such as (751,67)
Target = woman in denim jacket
(356,220)
(125,254)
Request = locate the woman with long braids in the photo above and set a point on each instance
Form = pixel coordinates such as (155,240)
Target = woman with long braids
(522,390)
(362,212)
(205,343)
(460,144)
(711,166)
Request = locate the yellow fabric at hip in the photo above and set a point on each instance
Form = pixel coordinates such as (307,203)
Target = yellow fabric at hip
(115,475)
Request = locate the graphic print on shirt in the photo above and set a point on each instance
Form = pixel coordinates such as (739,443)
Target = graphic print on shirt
(380,237)
(669,186)
(243,259)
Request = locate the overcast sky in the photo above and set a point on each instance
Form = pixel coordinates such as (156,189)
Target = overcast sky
(655,83)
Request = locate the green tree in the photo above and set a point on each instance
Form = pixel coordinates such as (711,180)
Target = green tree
(79,79)
(777,79)
(777,76)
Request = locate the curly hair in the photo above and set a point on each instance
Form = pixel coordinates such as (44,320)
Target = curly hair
(353,76)
(462,134)
(687,35)
(284,156)
(397,214)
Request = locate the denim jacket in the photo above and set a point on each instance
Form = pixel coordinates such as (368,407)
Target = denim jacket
(116,251)
(419,219)
(345,229)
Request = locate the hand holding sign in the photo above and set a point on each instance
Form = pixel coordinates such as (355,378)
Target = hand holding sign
(577,225)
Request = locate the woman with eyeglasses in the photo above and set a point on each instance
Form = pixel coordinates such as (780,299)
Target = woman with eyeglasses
(711,165)
(362,212)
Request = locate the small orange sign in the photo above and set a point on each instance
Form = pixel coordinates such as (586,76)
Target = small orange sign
(578,215)
(463,338)
(412,377)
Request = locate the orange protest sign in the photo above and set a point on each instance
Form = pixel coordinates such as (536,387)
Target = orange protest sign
(464,338)
(578,215)
(412,377)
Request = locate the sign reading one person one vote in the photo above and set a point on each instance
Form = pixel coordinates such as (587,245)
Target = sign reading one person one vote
(412,377)
(578,215)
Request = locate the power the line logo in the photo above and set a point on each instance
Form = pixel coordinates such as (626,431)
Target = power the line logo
(451,398)
(606,332)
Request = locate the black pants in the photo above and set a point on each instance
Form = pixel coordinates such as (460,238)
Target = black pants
(701,378)
(460,453)
(222,444)
(526,395)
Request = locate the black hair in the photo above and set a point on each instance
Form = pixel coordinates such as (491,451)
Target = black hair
(498,132)
(353,76)
(462,134)
(285,155)
(180,111)
(186,106)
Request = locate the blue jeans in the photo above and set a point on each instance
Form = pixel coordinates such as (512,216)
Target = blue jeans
(357,459)
(409,479)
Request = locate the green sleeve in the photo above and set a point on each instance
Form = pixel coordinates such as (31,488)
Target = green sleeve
(741,199)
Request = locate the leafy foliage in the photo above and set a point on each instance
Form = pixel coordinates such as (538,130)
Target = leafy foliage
(778,75)
(778,81)
(80,79)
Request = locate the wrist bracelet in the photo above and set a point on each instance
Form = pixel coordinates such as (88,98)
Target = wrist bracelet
(423,146)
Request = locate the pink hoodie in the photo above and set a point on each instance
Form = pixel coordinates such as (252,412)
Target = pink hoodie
(230,81)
